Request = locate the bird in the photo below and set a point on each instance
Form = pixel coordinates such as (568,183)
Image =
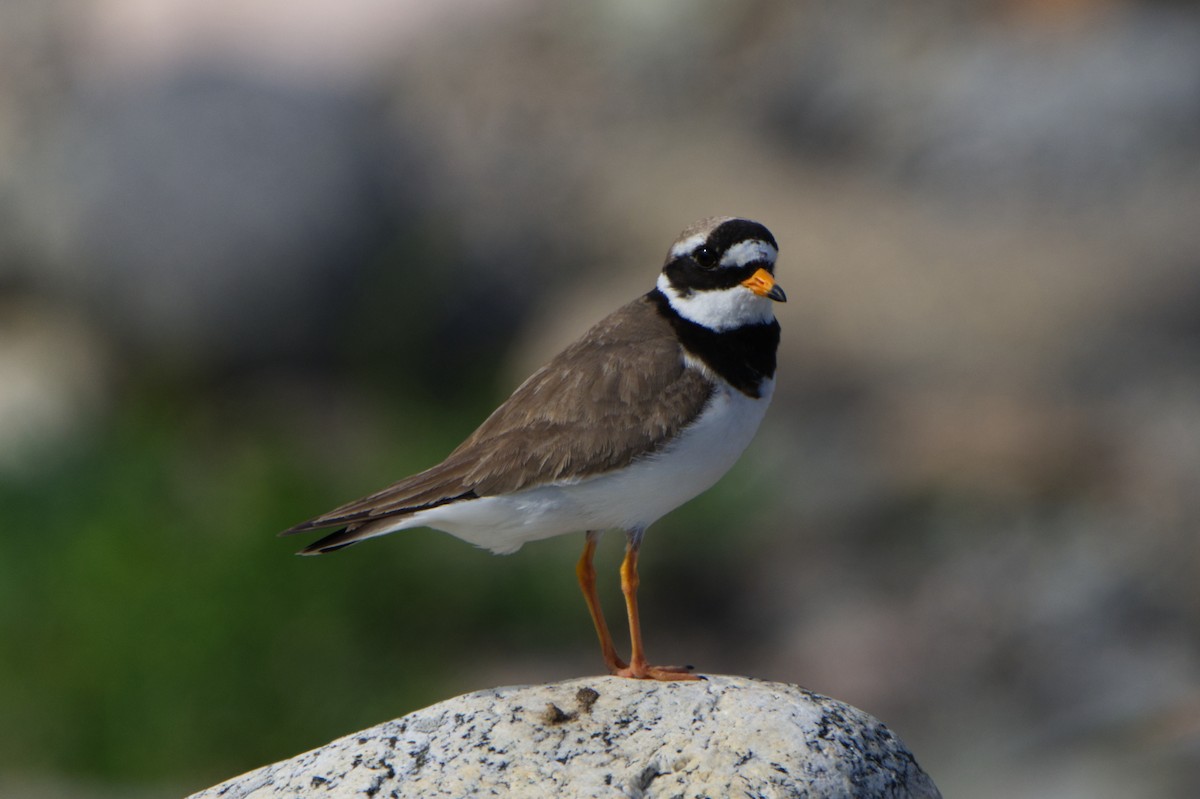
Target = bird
(645,411)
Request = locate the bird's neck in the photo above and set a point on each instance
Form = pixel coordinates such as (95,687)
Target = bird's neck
(742,356)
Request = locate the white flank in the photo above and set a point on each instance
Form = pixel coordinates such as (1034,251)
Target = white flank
(631,498)
(719,309)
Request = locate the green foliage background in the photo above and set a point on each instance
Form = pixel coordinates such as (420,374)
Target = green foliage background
(158,632)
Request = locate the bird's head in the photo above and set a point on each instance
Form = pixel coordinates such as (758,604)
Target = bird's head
(720,273)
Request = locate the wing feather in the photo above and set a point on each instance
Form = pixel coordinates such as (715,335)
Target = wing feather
(619,393)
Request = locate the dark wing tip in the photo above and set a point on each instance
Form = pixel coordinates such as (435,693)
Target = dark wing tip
(339,539)
(331,519)
(303,527)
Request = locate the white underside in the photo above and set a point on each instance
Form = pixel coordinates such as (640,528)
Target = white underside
(632,498)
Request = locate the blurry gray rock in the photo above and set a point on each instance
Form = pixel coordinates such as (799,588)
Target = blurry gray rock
(981,108)
(211,216)
(608,737)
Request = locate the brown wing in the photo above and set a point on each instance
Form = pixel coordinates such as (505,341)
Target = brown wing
(617,394)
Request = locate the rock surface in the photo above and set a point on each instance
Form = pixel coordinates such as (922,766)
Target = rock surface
(608,737)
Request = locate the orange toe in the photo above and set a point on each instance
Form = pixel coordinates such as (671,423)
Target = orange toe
(661,673)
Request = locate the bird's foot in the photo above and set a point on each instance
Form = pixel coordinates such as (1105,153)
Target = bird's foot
(644,671)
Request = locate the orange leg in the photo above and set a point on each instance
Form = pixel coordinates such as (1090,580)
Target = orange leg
(586,572)
(638,668)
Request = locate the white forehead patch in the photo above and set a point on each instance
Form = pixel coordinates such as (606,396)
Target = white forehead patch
(748,252)
(719,309)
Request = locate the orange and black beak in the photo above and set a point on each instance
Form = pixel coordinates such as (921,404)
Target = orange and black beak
(763,284)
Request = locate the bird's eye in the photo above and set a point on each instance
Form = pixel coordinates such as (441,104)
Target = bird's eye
(705,256)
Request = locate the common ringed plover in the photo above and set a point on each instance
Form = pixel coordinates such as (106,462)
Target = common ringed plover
(644,412)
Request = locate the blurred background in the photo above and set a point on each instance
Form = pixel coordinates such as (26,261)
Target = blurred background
(257,259)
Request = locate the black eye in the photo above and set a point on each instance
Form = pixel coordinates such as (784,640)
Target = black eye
(704,256)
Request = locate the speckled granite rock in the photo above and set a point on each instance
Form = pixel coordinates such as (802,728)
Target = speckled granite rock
(608,737)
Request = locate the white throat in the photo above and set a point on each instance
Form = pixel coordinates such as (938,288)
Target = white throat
(720,309)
